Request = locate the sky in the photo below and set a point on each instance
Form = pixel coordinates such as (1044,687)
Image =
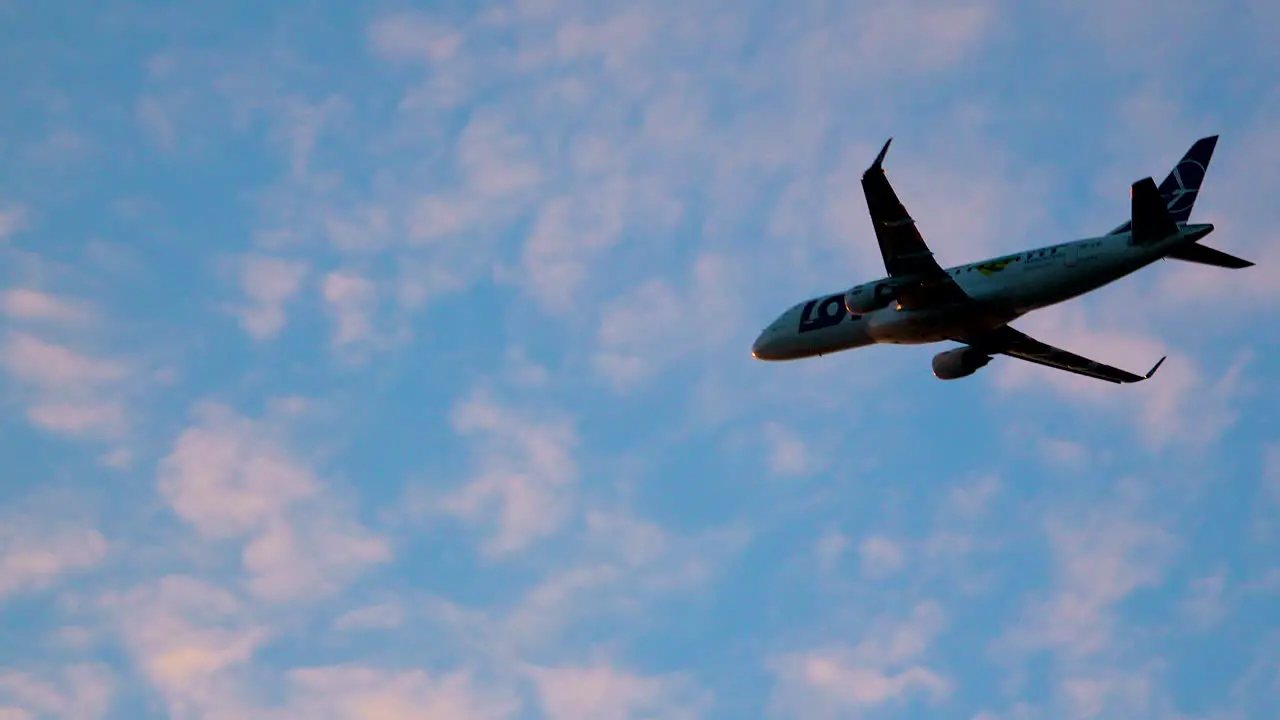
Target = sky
(392,360)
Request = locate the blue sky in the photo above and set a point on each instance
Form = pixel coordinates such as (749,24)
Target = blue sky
(391,360)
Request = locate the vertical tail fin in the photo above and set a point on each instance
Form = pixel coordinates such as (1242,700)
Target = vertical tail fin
(1182,184)
(1150,218)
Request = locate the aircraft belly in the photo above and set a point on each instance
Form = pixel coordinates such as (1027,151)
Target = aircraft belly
(920,327)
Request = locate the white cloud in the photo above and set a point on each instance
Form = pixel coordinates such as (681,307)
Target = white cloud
(1101,557)
(189,638)
(53,366)
(13,218)
(232,477)
(622,565)
(413,36)
(92,419)
(357,692)
(27,304)
(526,473)
(35,556)
(837,681)
(1177,406)
(1205,604)
(227,475)
(970,501)
(831,548)
(76,692)
(653,324)
(68,392)
(604,692)
(788,455)
(498,163)
(567,233)
(881,556)
(385,616)
(269,283)
(1064,454)
(352,300)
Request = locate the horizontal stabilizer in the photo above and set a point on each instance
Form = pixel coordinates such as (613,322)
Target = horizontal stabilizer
(1209,256)
(1150,218)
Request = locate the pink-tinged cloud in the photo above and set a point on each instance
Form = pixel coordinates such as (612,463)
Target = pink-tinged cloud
(35,557)
(269,283)
(81,691)
(1101,556)
(90,419)
(655,324)
(525,474)
(56,367)
(360,692)
(191,640)
(13,218)
(605,692)
(236,478)
(352,300)
(409,36)
(884,668)
(33,305)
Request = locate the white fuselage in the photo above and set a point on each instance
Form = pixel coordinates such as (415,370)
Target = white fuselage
(1002,288)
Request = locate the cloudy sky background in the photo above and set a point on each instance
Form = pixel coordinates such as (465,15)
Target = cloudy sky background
(391,360)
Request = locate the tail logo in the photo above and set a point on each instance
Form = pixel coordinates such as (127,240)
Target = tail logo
(1181,195)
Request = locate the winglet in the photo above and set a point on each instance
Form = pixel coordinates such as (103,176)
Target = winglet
(880,158)
(1154,368)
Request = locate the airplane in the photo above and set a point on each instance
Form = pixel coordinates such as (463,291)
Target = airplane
(919,302)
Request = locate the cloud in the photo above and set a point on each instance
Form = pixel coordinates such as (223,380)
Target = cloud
(1177,406)
(352,300)
(192,640)
(526,473)
(604,692)
(233,477)
(385,616)
(13,218)
(354,692)
(269,283)
(881,556)
(76,692)
(1101,556)
(68,392)
(33,305)
(831,548)
(413,37)
(620,567)
(839,681)
(53,366)
(35,557)
(654,324)
(788,455)
(1205,605)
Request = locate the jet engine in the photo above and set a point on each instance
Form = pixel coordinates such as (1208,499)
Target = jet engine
(958,363)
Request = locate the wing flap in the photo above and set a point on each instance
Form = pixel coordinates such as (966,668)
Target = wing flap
(1011,342)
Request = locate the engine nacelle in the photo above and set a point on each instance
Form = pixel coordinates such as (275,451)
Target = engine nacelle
(870,297)
(958,363)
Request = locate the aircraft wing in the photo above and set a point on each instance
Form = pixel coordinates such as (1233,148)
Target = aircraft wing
(904,251)
(1007,341)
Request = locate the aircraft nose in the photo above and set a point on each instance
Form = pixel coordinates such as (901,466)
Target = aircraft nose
(761,349)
